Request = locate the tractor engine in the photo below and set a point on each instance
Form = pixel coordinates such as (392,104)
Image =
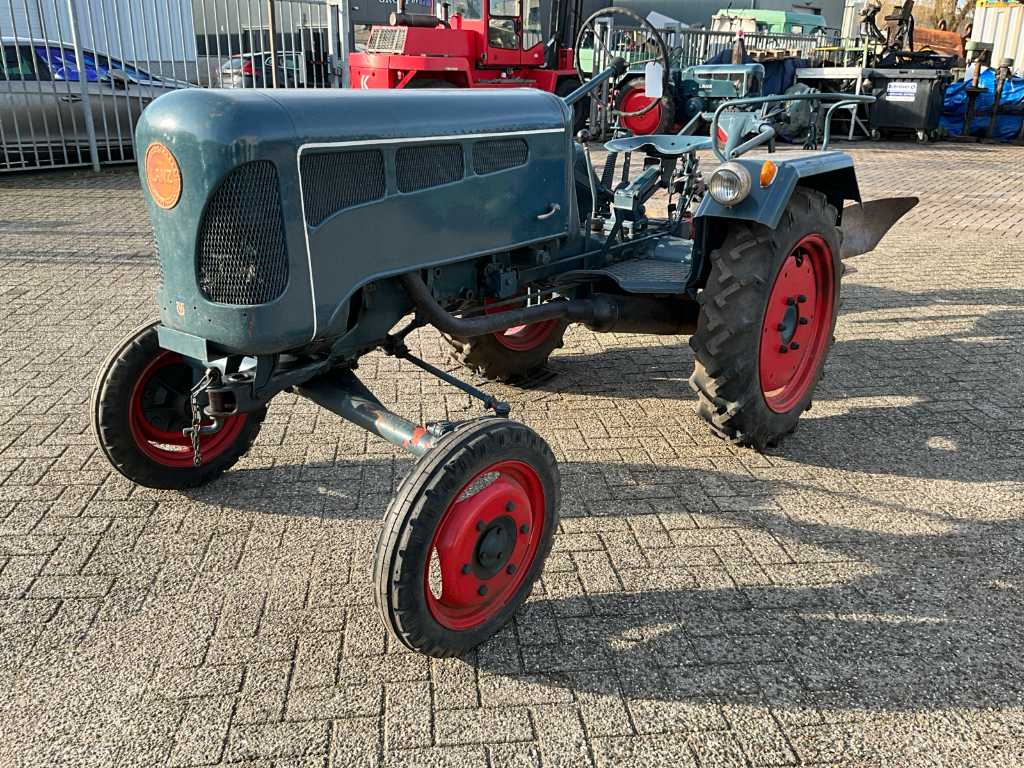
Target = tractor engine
(272,210)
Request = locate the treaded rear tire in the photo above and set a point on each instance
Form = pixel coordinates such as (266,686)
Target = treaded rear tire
(486,356)
(727,343)
(111,403)
(418,509)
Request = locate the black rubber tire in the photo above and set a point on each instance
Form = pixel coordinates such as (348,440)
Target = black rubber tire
(486,356)
(580,110)
(111,398)
(415,512)
(726,345)
(667,106)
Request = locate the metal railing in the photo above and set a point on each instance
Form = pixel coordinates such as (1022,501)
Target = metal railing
(690,47)
(75,75)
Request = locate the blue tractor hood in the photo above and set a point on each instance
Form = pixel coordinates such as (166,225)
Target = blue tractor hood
(293,200)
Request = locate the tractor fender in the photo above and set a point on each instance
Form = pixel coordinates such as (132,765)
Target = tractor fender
(830,173)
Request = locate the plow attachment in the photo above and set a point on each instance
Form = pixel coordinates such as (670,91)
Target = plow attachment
(865,224)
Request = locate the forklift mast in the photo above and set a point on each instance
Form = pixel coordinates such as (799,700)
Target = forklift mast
(564,18)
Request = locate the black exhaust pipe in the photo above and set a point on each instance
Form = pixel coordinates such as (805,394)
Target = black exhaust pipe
(604,313)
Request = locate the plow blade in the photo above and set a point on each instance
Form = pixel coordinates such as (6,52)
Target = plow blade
(865,224)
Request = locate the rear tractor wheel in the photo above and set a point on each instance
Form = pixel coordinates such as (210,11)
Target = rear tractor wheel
(510,355)
(638,115)
(141,402)
(466,537)
(766,323)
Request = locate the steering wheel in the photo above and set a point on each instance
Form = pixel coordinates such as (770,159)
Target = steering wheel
(632,38)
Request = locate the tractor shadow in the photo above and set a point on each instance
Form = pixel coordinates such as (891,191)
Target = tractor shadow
(900,609)
(936,400)
(358,489)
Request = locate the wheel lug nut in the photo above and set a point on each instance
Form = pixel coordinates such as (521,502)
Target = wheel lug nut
(783,348)
(479,525)
(510,570)
(510,506)
(465,568)
(781,327)
(524,528)
(803,321)
(794,345)
(481,590)
(801,298)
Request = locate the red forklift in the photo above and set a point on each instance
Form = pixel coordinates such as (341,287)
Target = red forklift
(472,44)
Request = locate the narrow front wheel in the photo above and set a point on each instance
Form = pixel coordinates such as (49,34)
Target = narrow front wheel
(466,537)
(141,403)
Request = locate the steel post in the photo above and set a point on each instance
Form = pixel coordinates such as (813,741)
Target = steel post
(339,41)
(83,84)
(272,23)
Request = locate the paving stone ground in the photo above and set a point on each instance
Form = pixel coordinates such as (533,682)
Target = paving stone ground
(854,597)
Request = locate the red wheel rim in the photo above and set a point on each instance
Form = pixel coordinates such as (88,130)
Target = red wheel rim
(634,100)
(152,393)
(521,338)
(485,545)
(797,324)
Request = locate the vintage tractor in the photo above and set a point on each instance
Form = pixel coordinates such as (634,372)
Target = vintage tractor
(299,231)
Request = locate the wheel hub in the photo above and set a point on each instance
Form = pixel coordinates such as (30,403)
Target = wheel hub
(797,324)
(494,547)
(485,545)
(160,408)
(521,338)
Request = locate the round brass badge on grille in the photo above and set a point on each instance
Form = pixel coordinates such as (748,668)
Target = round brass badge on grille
(163,177)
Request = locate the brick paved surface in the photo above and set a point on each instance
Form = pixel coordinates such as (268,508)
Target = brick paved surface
(853,598)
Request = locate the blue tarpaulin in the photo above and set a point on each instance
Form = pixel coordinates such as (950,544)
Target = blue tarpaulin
(1011,107)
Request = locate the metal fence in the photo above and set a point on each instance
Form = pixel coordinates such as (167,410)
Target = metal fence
(690,47)
(76,74)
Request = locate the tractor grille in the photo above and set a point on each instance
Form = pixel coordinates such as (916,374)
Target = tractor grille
(242,255)
(499,155)
(386,40)
(334,181)
(429,166)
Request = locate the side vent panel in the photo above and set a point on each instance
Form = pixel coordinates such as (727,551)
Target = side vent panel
(242,258)
(386,40)
(333,181)
(499,155)
(429,166)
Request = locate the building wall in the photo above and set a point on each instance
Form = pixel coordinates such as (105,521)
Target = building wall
(135,30)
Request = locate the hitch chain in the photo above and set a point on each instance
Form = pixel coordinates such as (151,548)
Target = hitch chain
(195,430)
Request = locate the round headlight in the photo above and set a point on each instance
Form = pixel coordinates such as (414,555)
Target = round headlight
(729,184)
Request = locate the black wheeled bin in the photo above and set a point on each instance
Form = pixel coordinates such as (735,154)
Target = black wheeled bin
(908,100)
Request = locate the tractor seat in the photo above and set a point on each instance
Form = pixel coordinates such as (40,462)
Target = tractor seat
(664,144)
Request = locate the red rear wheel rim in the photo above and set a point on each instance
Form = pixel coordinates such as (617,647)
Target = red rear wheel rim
(522,338)
(163,387)
(797,324)
(485,545)
(634,100)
